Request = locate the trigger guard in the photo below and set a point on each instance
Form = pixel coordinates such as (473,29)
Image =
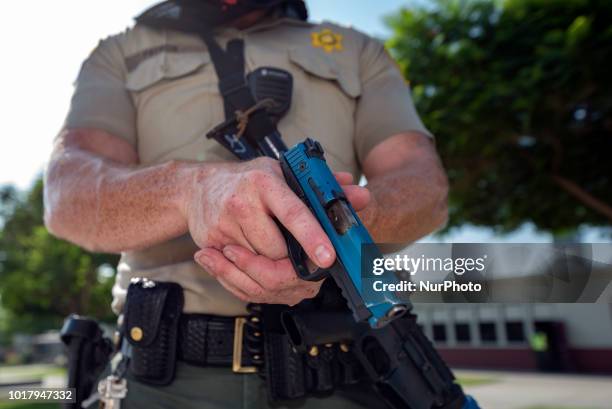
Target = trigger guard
(299,259)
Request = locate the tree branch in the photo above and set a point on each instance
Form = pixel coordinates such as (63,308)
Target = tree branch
(585,197)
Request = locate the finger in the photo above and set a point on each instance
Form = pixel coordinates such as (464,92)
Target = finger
(215,263)
(252,227)
(306,292)
(294,296)
(270,274)
(300,221)
(236,236)
(235,291)
(264,237)
(344,178)
(212,261)
(277,277)
(357,195)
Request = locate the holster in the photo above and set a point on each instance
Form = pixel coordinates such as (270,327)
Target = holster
(331,331)
(398,359)
(405,368)
(307,353)
(150,327)
(88,354)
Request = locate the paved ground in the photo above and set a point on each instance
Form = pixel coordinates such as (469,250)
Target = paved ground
(516,390)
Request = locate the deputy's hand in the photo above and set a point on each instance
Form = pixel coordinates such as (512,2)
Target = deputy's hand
(257,278)
(236,203)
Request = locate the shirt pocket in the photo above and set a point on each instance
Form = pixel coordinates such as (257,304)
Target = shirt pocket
(325,95)
(326,67)
(164,66)
(177,101)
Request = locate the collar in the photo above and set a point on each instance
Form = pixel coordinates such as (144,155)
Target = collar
(273,22)
(267,23)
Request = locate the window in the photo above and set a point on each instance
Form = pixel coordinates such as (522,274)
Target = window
(462,333)
(488,332)
(439,332)
(515,331)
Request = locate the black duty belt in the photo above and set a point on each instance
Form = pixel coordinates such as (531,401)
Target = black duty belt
(157,334)
(207,340)
(210,340)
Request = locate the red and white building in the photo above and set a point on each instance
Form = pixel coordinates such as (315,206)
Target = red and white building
(497,336)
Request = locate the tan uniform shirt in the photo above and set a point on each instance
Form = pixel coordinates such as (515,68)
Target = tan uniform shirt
(158,91)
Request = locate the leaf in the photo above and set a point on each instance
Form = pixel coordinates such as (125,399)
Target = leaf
(578,31)
(533,65)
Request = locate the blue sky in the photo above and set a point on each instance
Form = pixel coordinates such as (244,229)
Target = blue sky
(366,15)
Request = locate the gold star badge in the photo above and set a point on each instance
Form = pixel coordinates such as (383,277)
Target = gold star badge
(328,40)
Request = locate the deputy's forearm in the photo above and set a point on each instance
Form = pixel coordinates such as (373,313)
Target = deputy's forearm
(106,206)
(407,204)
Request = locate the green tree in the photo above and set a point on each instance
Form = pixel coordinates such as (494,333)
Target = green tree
(519,96)
(42,278)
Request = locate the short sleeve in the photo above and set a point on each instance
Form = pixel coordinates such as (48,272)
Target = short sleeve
(100,98)
(385,107)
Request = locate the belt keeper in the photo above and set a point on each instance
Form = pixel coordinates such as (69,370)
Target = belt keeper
(237,366)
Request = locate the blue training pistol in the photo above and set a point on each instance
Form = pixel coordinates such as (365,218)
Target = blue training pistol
(308,175)
(395,354)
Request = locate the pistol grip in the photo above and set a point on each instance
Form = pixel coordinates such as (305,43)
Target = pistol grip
(296,253)
(299,258)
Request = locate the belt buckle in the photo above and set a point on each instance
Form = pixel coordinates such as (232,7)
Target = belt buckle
(237,366)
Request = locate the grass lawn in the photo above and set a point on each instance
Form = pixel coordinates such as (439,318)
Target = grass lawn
(476,380)
(29,405)
(555,407)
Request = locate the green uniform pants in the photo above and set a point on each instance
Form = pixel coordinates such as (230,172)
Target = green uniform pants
(217,388)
